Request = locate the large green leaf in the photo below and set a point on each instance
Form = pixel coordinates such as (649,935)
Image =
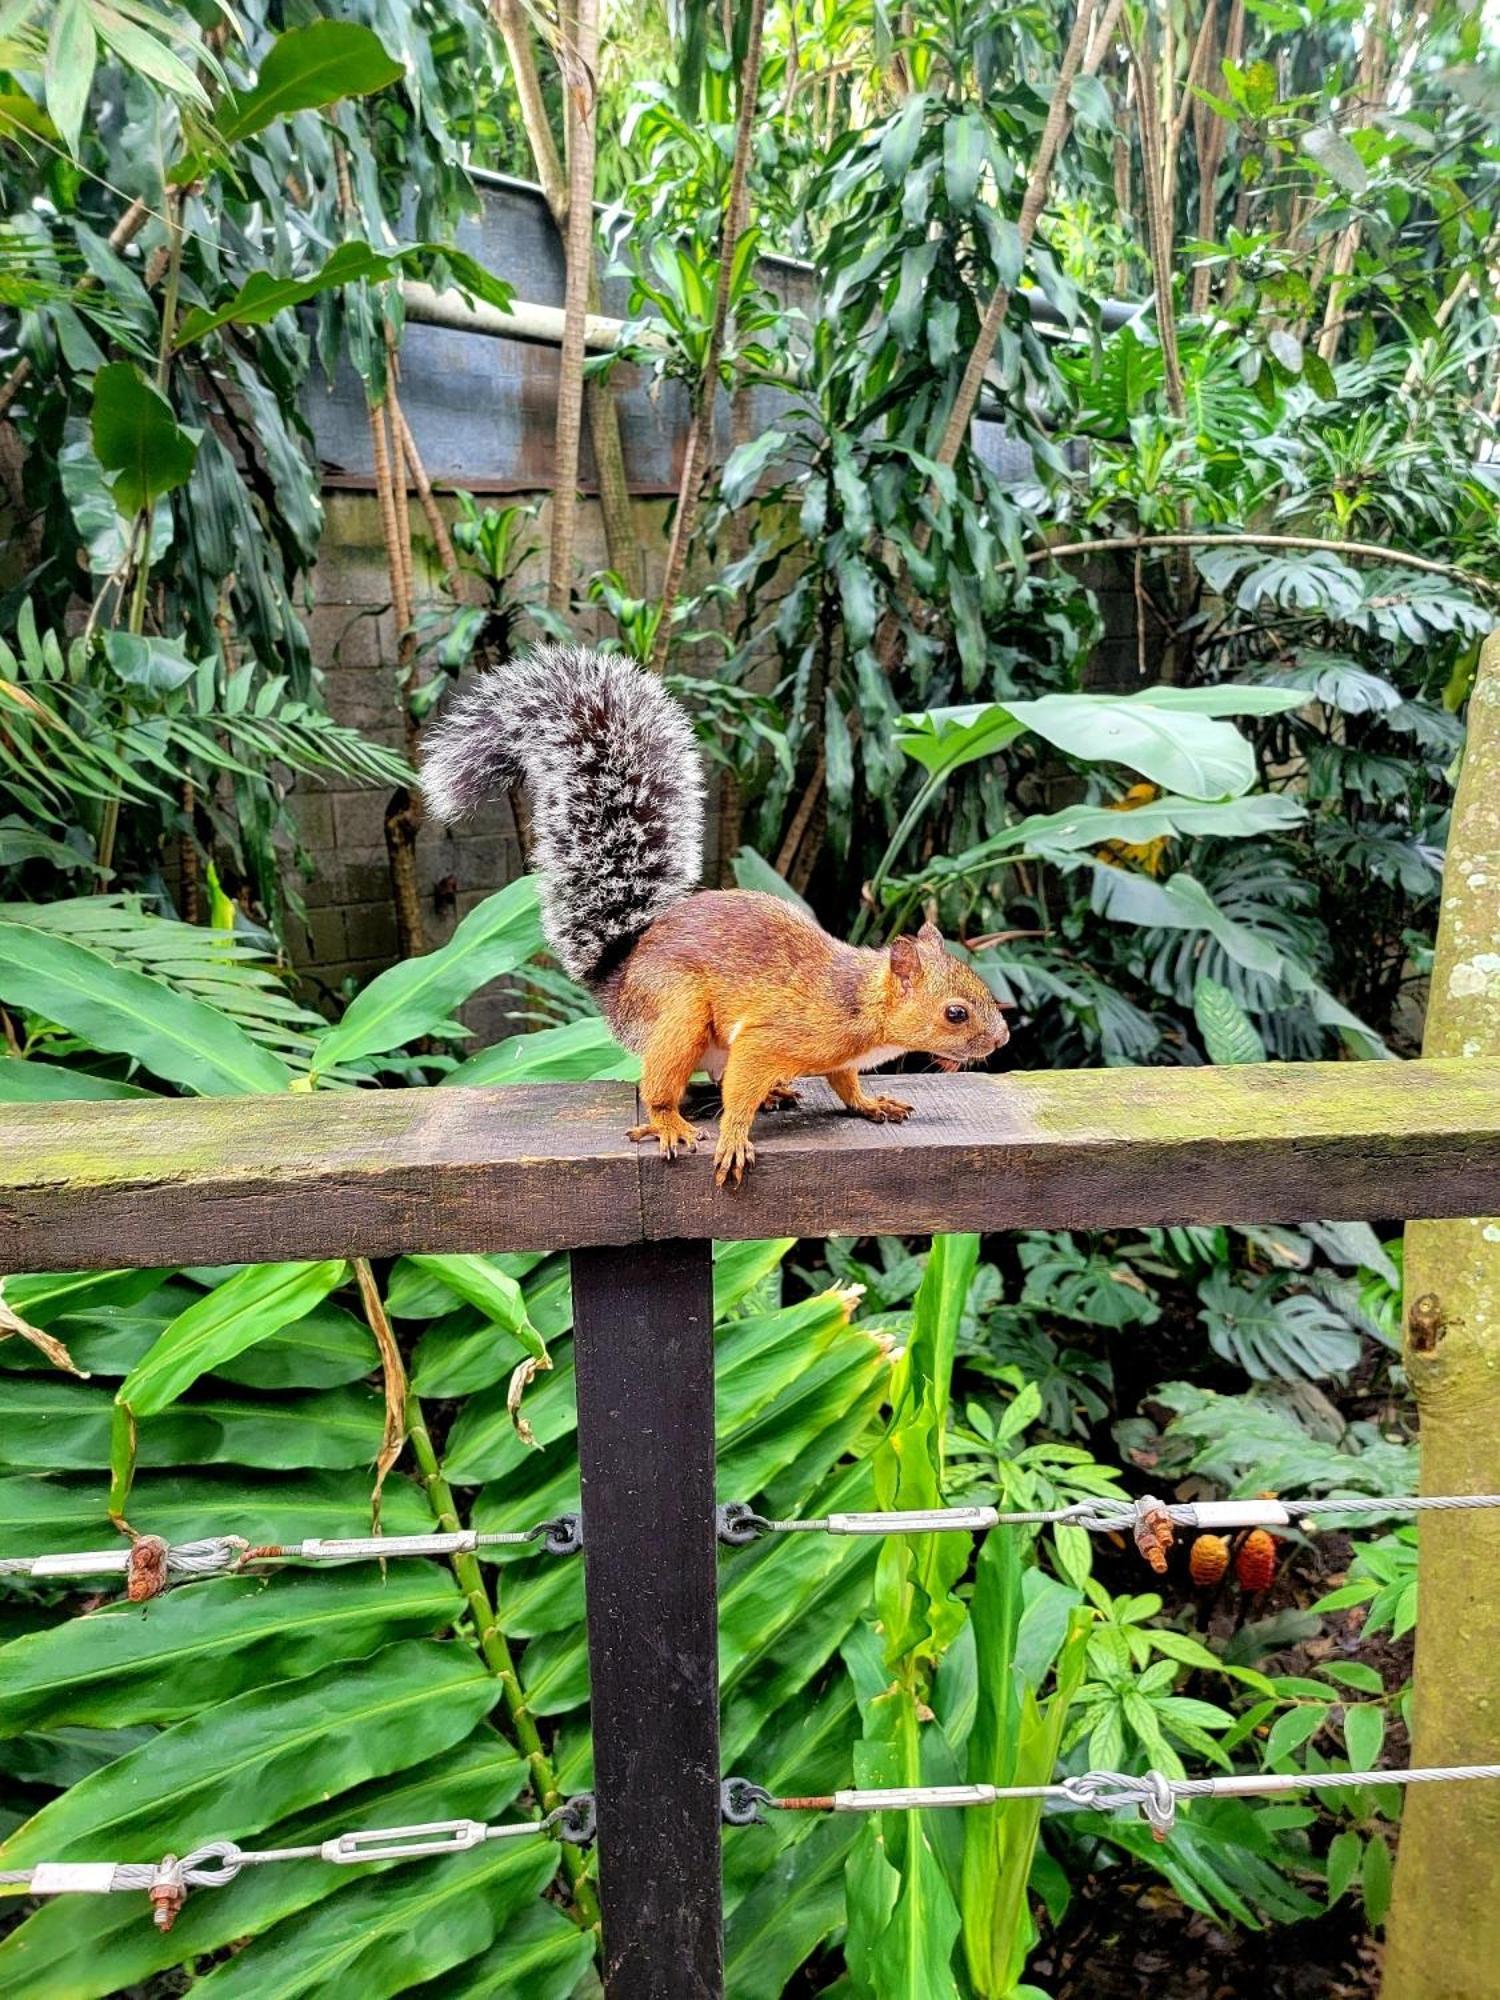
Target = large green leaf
(87,1947)
(1182,903)
(538,1956)
(478,1282)
(381,1937)
(137,438)
(1175,736)
(26,1082)
(128,1013)
(54,1425)
(570,1054)
(234,1769)
(71,54)
(306,68)
(255,1303)
(42,1516)
(420,994)
(263,294)
(205,1642)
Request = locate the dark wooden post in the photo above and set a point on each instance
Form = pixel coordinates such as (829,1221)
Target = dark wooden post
(643,1350)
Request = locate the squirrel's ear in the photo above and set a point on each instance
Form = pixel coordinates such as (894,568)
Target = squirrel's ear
(929,934)
(906,961)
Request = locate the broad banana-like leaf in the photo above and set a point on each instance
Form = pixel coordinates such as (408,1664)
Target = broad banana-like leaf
(538,1956)
(234,1769)
(206,1642)
(376,1938)
(420,994)
(127,1013)
(570,1054)
(1177,737)
(56,1425)
(255,1303)
(41,1516)
(84,1948)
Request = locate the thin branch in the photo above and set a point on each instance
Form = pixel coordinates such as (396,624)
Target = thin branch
(1158,228)
(1370,551)
(580,60)
(1035,199)
(437,527)
(598,396)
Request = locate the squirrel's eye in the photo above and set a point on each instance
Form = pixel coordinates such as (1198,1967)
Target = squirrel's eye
(957,1015)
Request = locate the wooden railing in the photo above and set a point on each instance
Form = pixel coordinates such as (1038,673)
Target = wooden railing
(107,1185)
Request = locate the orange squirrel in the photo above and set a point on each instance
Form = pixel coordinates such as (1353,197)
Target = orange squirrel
(738,983)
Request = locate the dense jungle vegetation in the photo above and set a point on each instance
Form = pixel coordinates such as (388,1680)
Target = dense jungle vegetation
(1282,447)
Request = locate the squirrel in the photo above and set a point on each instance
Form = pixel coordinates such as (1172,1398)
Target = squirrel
(733,981)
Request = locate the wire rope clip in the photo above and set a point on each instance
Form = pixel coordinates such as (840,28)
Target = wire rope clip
(168,1891)
(737,1524)
(740,1802)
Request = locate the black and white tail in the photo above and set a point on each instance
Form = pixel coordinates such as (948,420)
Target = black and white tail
(616,787)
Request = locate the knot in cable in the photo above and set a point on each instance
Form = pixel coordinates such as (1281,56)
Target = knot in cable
(1108,1791)
(153,1563)
(561,1536)
(575,1820)
(740,1802)
(737,1524)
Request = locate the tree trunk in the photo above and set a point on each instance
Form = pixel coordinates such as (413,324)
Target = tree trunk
(580,61)
(1445,1918)
(598,397)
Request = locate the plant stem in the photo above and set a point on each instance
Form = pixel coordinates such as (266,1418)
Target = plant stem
(1375,551)
(497,1654)
(933,784)
(173,286)
(698,452)
(579,59)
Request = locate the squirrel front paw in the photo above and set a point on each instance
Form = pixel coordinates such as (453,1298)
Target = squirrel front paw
(672,1133)
(883,1110)
(731,1159)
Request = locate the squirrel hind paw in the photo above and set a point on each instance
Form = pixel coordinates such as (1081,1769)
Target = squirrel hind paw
(780,1096)
(731,1160)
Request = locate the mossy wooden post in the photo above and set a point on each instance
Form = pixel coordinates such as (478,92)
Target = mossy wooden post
(1445,1918)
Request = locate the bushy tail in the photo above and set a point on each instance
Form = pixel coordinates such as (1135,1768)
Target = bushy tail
(616,790)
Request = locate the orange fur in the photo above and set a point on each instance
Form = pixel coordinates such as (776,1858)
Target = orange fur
(747,986)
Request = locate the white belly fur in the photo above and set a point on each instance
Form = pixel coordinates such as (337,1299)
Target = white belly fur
(716,1056)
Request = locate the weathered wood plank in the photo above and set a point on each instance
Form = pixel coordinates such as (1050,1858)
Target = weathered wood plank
(1088,1148)
(643,1351)
(548,1167)
(254,1179)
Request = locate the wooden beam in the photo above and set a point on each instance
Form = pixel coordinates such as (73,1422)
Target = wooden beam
(91,1185)
(643,1350)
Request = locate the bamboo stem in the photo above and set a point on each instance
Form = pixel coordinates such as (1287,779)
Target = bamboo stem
(496,1652)
(580,56)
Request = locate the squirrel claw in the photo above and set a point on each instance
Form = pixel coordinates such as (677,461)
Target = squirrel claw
(672,1137)
(731,1160)
(885,1110)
